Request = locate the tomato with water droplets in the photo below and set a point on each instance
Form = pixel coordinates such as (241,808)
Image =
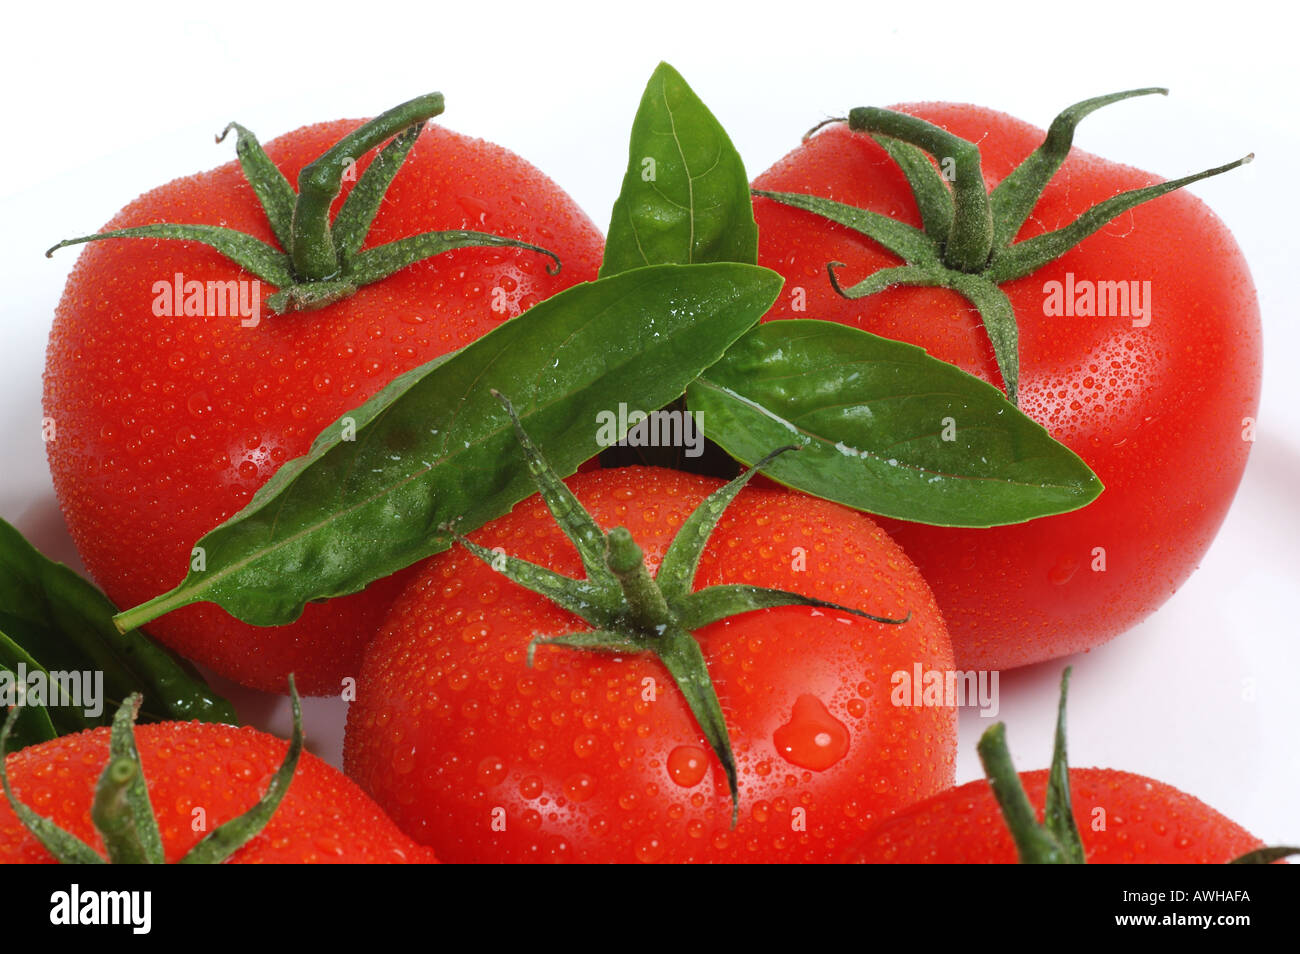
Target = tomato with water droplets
(1122,819)
(168,423)
(1159,398)
(595,757)
(200,776)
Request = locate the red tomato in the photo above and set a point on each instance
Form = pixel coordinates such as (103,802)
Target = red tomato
(167,425)
(223,770)
(1122,819)
(1159,412)
(588,758)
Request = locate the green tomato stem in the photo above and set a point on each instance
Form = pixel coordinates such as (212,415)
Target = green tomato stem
(647,609)
(970,236)
(314,256)
(112,814)
(1034,844)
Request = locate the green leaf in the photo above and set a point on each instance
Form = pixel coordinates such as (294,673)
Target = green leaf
(685,198)
(34,724)
(378,488)
(53,620)
(871,416)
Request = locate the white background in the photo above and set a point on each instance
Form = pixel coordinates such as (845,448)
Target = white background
(104,101)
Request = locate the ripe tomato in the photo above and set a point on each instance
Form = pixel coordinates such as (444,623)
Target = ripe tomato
(1157,411)
(223,770)
(587,757)
(1122,819)
(165,426)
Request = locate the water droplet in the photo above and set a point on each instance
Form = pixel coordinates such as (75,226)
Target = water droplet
(580,787)
(476,209)
(687,765)
(1063,570)
(199,403)
(404,760)
(650,849)
(491,771)
(328,846)
(813,738)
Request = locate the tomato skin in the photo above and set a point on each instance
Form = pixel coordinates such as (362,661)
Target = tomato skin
(323,819)
(450,724)
(1146,822)
(167,425)
(1157,412)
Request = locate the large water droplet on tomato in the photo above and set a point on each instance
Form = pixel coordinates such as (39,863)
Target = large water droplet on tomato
(687,765)
(813,738)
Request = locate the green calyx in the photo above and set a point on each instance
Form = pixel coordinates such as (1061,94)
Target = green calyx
(1055,840)
(966,242)
(632,612)
(121,810)
(319,262)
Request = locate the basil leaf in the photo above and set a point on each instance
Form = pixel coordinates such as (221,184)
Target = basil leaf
(53,622)
(885,428)
(685,198)
(377,488)
(34,725)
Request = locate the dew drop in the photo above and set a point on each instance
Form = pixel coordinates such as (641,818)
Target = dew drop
(328,846)
(687,765)
(404,760)
(650,849)
(813,738)
(580,787)
(1064,569)
(491,771)
(475,209)
(198,403)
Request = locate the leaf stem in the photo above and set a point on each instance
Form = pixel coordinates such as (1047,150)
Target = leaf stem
(137,616)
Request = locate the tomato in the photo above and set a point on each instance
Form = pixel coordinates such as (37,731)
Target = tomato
(165,426)
(1159,412)
(201,775)
(1122,819)
(591,757)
